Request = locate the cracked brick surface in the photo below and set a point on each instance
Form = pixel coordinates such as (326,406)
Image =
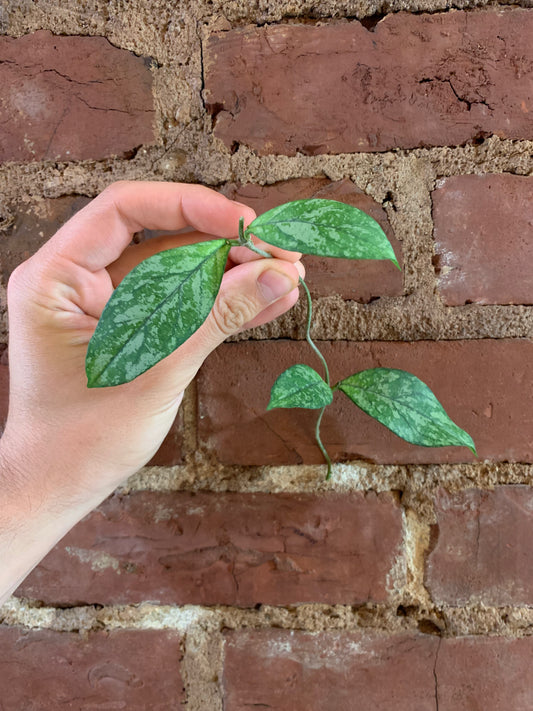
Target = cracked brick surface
(296,671)
(481,547)
(484,239)
(72,98)
(410,81)
(47,670)
(227,549)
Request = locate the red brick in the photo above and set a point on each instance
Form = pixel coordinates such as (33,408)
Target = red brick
(413,80)
(495,672)
(483,386)
(361,280)
(46,670)
(232,549)
(484,239)
(298,671)
(33,227)
(170,452)
(482,550)
(72,98)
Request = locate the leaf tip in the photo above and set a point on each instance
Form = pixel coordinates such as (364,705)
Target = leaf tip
(92,382)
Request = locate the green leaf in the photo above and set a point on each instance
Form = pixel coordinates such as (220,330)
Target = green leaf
(405,405)
(154,309)
(323,227)
(300,386)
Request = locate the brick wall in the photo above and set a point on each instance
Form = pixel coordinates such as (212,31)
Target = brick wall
(228,574)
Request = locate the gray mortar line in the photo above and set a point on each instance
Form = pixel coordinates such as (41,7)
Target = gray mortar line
(299,479)
(470,619)
(238,14)
(350,10)
(55,179)
(494,155)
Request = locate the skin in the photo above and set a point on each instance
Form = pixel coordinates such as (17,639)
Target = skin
(65,447)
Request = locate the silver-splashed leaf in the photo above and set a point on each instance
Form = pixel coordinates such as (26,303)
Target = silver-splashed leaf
(300,386)
(154,309)
(406,405)
(326,228)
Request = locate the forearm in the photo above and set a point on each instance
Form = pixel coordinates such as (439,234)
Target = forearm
(34,513)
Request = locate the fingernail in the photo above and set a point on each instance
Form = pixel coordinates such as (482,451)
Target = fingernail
(273,285)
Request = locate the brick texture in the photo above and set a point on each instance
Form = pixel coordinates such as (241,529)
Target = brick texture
(484,239)
(233,549)
(46,670)
(296,671)
(482,549)
(482,385)
(72,98)
(34,226)
(413,80)
(361,280)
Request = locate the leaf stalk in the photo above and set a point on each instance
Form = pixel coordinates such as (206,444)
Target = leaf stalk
(246,241)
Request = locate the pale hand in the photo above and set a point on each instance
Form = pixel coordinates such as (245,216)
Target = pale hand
(66,447)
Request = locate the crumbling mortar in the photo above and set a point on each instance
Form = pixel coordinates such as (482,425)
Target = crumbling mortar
(406,579)
(53,179)
(373,12)
(418,483)
(193,621)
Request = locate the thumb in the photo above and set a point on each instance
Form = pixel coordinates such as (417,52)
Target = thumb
(263,287)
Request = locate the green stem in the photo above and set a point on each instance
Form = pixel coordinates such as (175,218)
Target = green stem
(326,374)
(308,331)
(247,242)
(256,249)
(319,442)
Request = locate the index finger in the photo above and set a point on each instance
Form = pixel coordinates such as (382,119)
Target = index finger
(98,234)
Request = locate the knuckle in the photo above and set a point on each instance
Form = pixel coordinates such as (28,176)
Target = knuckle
(113,191)
(231,314)
(115,187)
(18,279)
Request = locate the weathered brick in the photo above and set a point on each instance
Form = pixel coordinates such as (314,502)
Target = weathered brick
(410,81)
(298,671)
(170,452)
(72,98)
(492,674)
(47,670)
(482,549)
(32,227)
(361,280)
(484,239)
(233,549)
(483,386)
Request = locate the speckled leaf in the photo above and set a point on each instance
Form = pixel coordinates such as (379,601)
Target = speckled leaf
(405,405)
(154,309)
(323,227)
(300,386)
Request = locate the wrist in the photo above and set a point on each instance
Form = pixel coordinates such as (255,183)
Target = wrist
(37,507)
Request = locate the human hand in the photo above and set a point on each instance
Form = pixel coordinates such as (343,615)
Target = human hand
(68,446)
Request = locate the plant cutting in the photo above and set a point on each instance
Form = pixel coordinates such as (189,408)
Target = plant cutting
(167,297)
